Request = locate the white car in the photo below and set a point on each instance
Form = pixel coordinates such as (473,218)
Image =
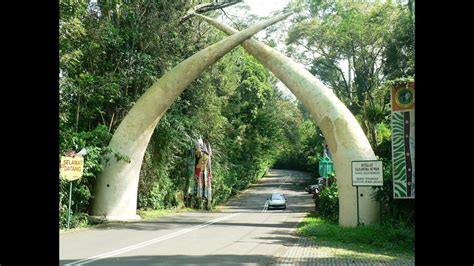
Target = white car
(276,200)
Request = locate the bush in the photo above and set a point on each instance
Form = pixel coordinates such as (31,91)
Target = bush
(95,142)
(327,204)
(77,219)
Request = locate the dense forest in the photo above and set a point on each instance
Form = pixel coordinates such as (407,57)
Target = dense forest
(112,51)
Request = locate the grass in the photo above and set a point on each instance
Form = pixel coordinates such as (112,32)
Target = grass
(386,242)
(152,214)
(78,227)
(145,214)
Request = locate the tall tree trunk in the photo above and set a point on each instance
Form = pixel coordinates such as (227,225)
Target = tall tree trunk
(373,136)
(77,112)
(350,78)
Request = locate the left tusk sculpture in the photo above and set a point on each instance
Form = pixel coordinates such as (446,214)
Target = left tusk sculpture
(115,197)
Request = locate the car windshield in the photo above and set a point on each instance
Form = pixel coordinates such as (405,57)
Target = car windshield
(276,197)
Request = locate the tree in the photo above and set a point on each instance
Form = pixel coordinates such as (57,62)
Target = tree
(347,45)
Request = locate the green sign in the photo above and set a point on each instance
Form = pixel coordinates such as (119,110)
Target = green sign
(326,166)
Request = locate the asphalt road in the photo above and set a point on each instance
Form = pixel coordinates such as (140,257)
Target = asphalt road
(241,232)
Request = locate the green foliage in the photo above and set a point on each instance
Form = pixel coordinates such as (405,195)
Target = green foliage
(400,48)
(354,47)
(303,141)
(154,198)
(327,204)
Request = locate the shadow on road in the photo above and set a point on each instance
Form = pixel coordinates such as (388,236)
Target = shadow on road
(160,225)
(225,259)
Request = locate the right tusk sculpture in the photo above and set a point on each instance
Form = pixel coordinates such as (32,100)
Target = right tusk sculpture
(345,138)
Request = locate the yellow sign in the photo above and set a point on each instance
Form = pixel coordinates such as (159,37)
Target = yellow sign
(71,168)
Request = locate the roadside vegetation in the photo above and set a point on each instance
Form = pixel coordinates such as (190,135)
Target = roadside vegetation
(144,214)
(388,241)
(153,214)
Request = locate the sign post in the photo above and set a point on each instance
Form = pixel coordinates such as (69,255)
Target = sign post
(367,174)
(327,176)
(69,208)
(71,169)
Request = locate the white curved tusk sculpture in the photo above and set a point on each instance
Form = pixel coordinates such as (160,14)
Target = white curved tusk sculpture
(116,188)
(345,138)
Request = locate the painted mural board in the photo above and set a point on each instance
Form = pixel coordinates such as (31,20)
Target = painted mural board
(403,140)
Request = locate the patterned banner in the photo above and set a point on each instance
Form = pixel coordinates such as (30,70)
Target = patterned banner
(208,193)
(403,141)
(191,167)
(202,175)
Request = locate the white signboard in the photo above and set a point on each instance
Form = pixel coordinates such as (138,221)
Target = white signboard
(367,173)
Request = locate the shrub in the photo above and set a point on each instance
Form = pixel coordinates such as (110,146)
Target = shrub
(327,205)
(95,142)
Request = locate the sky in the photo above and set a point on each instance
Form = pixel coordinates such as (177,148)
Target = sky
(265,7)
